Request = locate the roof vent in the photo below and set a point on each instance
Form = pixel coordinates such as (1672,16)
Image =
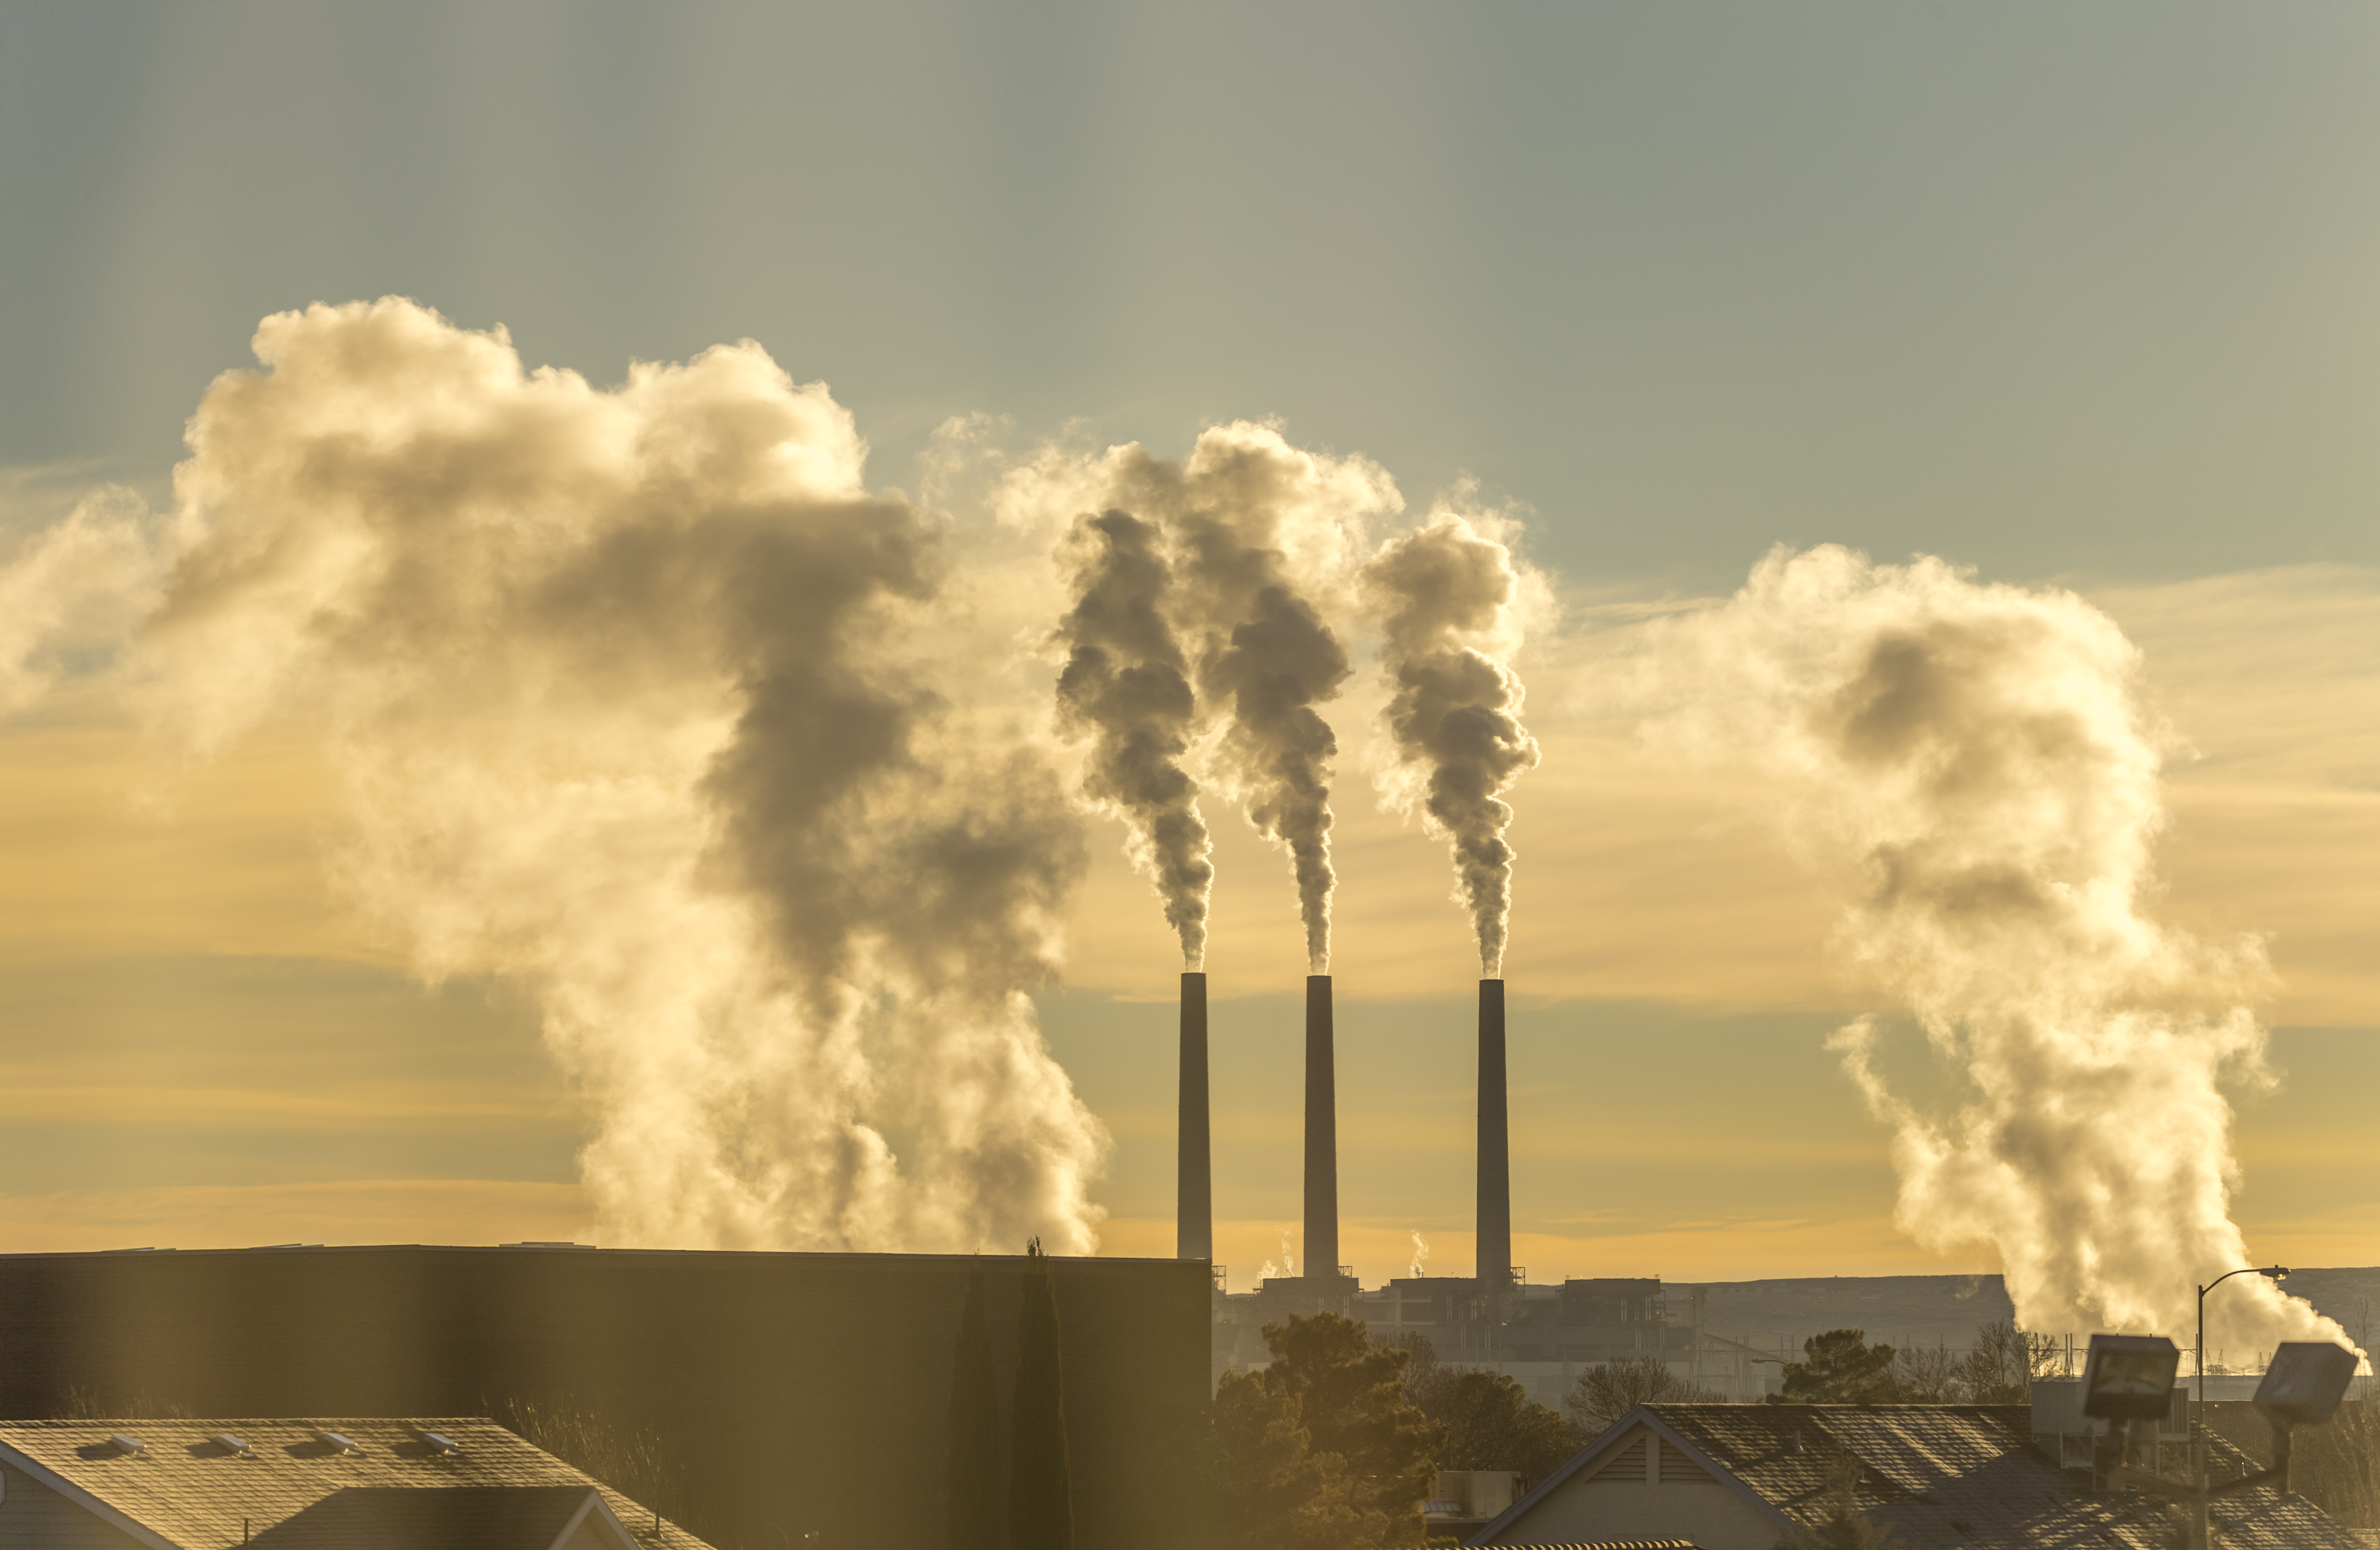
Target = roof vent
(128,1444)
(230,1444)
(343,1442)
(441,1442)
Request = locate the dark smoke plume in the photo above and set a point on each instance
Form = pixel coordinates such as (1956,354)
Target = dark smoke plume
(1272,670)
(1445,596)
(1127,688)
(1254,522)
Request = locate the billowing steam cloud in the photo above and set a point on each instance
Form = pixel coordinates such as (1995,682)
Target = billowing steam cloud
(1445,596)
(1978,761)
(615,682)
(1126,686)
(74,592)
(1257,533)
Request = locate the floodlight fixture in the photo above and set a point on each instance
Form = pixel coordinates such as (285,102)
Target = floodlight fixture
(2130,1378)
(2304,1383)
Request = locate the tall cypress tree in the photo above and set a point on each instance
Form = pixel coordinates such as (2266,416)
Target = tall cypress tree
(974,1501)
(1040,1505)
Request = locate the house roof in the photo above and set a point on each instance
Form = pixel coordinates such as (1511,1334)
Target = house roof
(185,1489)
(1963,1475)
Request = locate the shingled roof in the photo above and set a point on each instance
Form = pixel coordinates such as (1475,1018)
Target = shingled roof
(291,1488)
(1939,1475)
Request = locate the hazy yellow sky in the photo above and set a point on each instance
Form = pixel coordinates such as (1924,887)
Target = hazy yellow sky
(207,1044)
(2072,295)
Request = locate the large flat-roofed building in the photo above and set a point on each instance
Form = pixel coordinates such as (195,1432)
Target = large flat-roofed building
(797,1394)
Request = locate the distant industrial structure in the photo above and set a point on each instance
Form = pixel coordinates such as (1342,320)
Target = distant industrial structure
(1541,1335)
(1194,1171)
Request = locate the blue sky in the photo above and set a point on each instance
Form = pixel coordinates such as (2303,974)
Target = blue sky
(2052,289)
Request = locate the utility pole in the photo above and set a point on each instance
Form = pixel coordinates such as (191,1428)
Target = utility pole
(2198,1426)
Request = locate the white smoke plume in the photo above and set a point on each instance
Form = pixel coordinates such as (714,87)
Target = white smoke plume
(72,593)
(1420,1256)
(621,689)
(1977,763)
(1445,597)
(1259,535)
(1126,686)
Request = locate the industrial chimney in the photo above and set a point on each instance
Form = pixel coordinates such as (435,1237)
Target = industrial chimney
(1321,1133)
(1495,1146)
(1194,1196)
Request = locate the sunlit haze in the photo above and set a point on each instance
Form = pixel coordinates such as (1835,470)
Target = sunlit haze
(565,673)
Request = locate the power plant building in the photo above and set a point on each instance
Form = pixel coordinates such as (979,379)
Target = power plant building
(1543,1336)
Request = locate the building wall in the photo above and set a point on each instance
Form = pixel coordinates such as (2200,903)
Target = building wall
(31,1515)
(1643,1488)
(801,1393)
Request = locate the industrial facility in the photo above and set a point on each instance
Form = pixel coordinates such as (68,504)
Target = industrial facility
(1540,1335)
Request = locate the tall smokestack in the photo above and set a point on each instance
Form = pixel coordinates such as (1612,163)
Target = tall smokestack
(1321,1133)
(1193,1188)
(1495,1144)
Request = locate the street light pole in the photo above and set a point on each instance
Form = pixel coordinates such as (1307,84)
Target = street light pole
(2198,1431)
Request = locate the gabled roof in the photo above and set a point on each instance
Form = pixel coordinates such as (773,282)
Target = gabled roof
(491,1491)
(1963,1475)
(1614,1435)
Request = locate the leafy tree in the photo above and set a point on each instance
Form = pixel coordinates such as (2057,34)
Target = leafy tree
(1609,1390)
(1351,1399)
(1040,1505)
(1839,1368)
(1269,1489)
(973,1508)
(1492,1424)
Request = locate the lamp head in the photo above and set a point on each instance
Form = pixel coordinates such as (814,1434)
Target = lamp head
(2128,1377)
(2278,1272)
(2305,1382)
